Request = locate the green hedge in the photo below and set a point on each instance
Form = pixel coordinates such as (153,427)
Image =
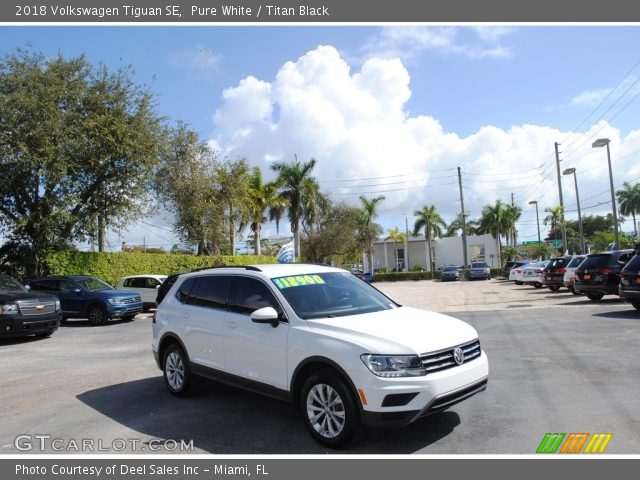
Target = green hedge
(400,276)
(112,266)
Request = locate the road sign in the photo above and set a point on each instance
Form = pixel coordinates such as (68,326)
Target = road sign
(524,244)
(556,243)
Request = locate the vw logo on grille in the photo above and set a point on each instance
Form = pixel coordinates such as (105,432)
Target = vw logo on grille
(458,355)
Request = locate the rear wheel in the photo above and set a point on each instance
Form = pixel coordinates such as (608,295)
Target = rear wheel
(518,282)
(97,314)
(636,305)
(537,285)
(176,371)
(554,288)
(596,297)
(329,410)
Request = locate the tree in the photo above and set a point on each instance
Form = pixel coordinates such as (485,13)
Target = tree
(554,220)
(276,211)
(629,202)
(456,226)
(261,196)
(78,145)
(336,236)
(187,185)
(494,221)
(233,180)
(512,215)
(396,237)
(295,184)
(432,223)
(369,230)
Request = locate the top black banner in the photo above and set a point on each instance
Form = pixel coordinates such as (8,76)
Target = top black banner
(316,11)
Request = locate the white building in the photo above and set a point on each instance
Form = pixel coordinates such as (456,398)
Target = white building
(444,251)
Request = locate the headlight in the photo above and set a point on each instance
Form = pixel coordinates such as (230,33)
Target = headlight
(9,309)
(391,366)
(58,307)
(116,301)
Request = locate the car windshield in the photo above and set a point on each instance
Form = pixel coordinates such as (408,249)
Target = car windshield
(449,269)
(93,284)
(10,284)
(479,265)
(328,295)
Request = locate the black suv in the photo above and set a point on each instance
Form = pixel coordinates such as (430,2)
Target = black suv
(629,289)
(83,296)
(599,273)
(554,272)
(26,313)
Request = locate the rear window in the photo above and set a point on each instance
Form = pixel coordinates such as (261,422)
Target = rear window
(598,260)
(556,263)
(575,261)
(634,264)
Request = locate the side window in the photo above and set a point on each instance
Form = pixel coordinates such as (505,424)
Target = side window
(128,283)
(212,291)
(185,291)
(44,285)
(252,294)
(66,286)
(140,282)
(151,282)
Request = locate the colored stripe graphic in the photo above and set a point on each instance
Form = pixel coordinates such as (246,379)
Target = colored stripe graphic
(598,442)
(550,442)
(574,443)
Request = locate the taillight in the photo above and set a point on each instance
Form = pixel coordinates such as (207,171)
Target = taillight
(606,271)
(153,319)
(624,272)
(562,270)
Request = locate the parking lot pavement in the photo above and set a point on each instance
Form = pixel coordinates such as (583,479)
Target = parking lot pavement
(552,369)
(480,295)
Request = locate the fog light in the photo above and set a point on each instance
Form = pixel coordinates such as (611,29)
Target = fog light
(7,328)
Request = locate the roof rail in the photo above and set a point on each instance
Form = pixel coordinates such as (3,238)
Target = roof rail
(245,267)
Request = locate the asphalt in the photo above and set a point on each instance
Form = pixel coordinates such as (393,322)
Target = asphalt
(552,369)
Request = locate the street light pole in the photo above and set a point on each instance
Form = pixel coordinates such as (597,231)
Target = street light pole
(532,202)
(601,142)
(569,171)
(406,243)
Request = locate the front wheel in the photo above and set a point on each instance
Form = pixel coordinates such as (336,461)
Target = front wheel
(554,288)
(518,282)
(595,296)
(98,314)
(329,410)
(176,371)
(537,285)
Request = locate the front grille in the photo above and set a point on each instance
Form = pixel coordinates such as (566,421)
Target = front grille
(36,308)
(443,359)
(131,300)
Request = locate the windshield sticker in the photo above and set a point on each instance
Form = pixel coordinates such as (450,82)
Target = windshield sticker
(298,281)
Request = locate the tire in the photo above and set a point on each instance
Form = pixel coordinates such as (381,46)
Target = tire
(518,282)
(554,288)
(636,305)
(45,334)
(573,290)
(97,314)
(176,371)
(596,297)
(329,411)
(128,318)
(537,285)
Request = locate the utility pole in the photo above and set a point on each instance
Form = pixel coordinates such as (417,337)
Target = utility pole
(564,230)
(464,221)
(514,227)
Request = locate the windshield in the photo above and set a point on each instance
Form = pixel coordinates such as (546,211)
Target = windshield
(328,295)
(93,284)
(449,269)
(9,284)
(479,265)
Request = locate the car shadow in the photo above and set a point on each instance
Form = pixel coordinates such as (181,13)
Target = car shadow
(80,323)
(23,340)
(631,314)
(225,420)
(583,300)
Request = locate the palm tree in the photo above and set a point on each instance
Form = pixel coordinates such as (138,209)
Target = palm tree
(396,237)
(232,185)
(369,229)
(554,219)
(432,223)
(494,221)
(512,214)
(276,211)
(629,202)
(260,197)
(456,226)
(295,183)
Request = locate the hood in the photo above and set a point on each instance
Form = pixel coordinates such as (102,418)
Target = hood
(118,293)
(403,330)
(16,295)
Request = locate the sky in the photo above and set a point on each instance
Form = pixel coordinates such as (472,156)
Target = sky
(388,110)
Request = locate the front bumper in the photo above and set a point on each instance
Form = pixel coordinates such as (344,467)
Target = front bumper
(425,395)
(19,326)
(124,310)
(603,288)
(473,274)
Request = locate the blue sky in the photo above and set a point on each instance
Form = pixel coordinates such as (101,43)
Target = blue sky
(491,100)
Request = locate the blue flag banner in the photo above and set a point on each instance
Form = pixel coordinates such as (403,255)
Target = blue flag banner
(285,255)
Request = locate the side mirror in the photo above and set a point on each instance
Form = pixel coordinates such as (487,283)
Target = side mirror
(28,287)
(77,291)
(265,315)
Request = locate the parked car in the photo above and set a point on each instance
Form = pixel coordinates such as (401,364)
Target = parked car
(144,285)
(510,265)
(450,273)
(599,274)
(554,272)
(26,313)
(517,274)
(479,270)
(82,296)
(533,274)
(629,288)
(341,350)
(569,272)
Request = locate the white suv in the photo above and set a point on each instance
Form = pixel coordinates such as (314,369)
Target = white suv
(319,337)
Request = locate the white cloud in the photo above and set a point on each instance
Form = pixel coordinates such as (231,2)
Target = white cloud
(200,58)
(590,98)
(408,42)
(356,125)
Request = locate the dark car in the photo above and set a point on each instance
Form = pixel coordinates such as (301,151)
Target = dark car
(82,296)
(554,272)
(26,313)
(629,288)
(450,273)
(479,270)
(599,273)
